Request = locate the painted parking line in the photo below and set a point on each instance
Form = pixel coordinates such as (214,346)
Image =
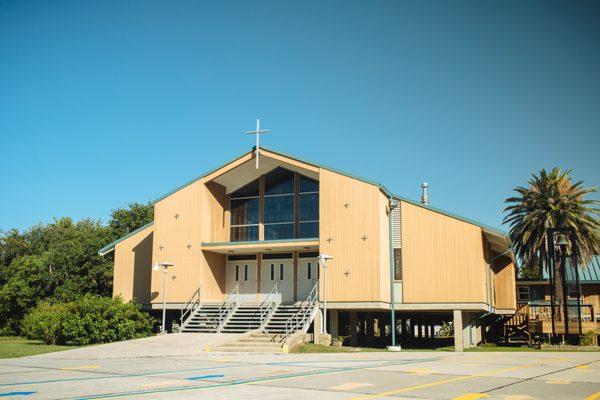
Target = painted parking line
(351,386)
(558,381)
(472,396)
(196,378)
(445,381)
(10,394)
(118,376)
(249,381)
(81,367)
(594,396)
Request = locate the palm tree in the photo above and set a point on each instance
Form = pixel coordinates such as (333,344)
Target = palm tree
(552,200)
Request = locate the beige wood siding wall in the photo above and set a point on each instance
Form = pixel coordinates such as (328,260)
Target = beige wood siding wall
(504,278)
(443,258)
(133,266)
(182,221)
(349,211)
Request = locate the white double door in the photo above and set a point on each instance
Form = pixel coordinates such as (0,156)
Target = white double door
(277,278)
(308,275)
(242,274)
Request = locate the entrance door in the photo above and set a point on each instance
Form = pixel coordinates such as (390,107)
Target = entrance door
(278,272)
(308,274)
(243,274)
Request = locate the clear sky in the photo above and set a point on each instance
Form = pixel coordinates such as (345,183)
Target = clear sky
(103,103)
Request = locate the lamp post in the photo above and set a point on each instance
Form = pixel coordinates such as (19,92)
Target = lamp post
(323,258)
(564,242)
(393,204)
(165,266)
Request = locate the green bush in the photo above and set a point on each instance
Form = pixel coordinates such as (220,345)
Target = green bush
(88,320)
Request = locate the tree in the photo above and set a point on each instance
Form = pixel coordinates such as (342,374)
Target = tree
(126,220)
(552,200)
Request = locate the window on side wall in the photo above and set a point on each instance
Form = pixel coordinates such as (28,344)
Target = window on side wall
(523,293)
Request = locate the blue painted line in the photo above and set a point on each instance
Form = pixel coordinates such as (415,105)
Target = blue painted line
(195,378)
(246,381)
(16,394)
(115,376)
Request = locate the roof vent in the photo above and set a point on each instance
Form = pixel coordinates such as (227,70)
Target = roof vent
(425,196)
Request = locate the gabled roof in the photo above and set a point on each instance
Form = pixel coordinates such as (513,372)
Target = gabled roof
(111,246)
(486,228)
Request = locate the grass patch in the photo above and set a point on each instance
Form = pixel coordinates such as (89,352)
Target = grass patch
(15,346)
(305,348)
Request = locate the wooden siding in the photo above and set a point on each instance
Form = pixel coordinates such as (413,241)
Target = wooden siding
(442,258)
(183,220)
(349,230)
(133,266)
(504,286)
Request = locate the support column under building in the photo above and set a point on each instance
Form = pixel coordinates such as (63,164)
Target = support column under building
(352,333)
(333,323)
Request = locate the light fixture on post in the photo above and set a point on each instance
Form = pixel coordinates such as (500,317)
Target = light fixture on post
(563,243)
(165,266)
(393,204)
(323,258)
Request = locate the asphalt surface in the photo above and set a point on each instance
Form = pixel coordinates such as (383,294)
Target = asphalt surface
(178,367)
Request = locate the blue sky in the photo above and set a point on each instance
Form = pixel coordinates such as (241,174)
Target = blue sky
(107,103)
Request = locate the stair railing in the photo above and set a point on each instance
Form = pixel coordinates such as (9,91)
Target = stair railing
(268,303)
(230,303)
(301,319)
(190,306)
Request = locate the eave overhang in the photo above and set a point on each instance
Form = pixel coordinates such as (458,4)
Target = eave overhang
(261,246)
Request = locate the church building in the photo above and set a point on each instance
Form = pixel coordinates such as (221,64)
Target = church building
(268,242)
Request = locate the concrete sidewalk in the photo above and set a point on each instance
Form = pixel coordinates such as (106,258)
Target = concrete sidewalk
(171,345)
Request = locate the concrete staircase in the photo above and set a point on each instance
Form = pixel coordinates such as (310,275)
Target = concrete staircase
(254,342)
(246,317)
(204,318)
(276,324)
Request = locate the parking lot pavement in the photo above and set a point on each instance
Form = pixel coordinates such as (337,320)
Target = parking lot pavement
(135,373)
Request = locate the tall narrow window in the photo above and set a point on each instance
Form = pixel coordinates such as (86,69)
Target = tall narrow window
(244,213)
(280,272)
(309,271)
(237,273)
(308,207)
(245,273)
(279,204)
(272,272)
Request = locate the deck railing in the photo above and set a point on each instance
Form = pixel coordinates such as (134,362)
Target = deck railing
(268,303)
(542,311)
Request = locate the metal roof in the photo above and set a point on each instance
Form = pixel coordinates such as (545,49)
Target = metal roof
(589,273)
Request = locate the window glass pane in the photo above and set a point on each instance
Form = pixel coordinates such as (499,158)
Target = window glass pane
(244,211)
(308,207)
(280,272)
(279,181)
(244,233)
(245,273)
(272,272)
(398,264)
(237,273)
(309,270)
(279,209)
(308,230)
(308,185)
(279,231)
(250,189)
(536,292)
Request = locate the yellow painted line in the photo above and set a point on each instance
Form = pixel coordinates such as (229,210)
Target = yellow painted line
(351,386)
(82,367)
(456,379)
(420,371)
(558,381)
(583,367)
(472,396)
(518,397)
(594,396)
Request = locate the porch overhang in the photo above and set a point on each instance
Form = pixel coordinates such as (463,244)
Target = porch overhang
(262,246)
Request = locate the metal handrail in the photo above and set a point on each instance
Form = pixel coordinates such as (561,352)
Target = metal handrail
(300,319)
(226,307)
(191,304)
(269,305)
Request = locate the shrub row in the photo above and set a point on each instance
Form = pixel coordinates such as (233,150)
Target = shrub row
(88,320)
